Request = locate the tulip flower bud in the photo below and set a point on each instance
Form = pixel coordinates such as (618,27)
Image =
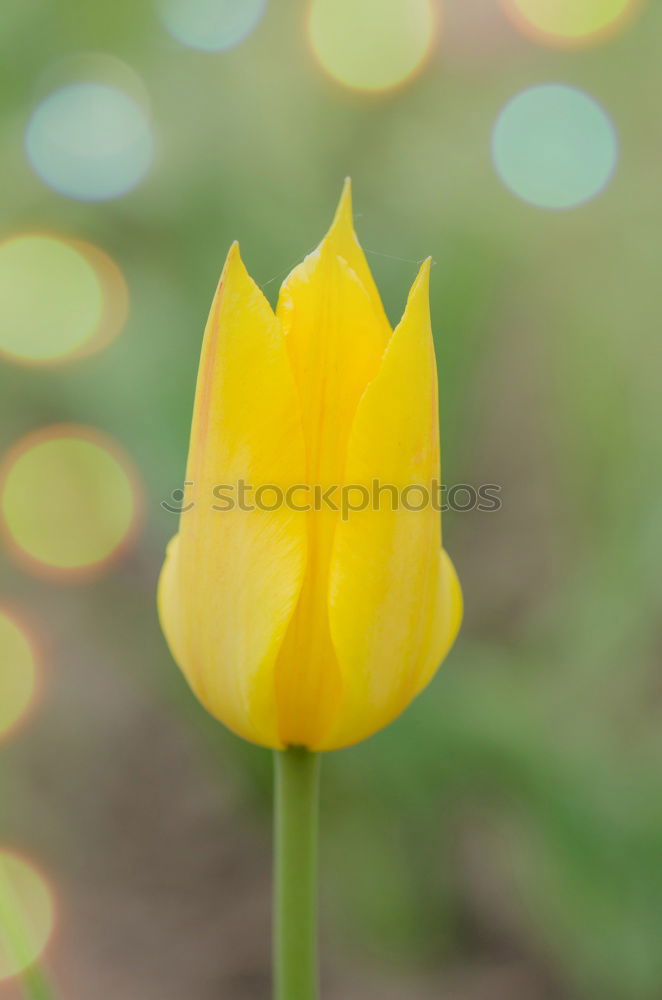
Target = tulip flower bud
(312,618)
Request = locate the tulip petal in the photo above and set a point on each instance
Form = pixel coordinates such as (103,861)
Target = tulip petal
(335,344)
(343,242)
(446,621)
(232,577)
(394,607)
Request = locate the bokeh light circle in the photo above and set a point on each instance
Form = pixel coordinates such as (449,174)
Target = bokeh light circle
(18,672)
(59,299)
(50,298)
(372,44)
(570,22)
(115,298)
(211,25)
(90,141)
(92,66)
(554,146)
(27,915)
(69,501)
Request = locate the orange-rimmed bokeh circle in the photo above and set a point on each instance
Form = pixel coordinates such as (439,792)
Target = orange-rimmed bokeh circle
(27,914)
(60,299)
(19,670)
(373,45)
(69,501)
(571,23)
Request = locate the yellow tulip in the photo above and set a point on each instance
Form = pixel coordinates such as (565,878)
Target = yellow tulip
(311,628)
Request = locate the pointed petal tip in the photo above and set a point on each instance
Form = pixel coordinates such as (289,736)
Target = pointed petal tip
(341,229)
(421,285)
(235,276)
(231,259)
(234,266)
(418,300)
(234,253)
(343,219)
(231,265)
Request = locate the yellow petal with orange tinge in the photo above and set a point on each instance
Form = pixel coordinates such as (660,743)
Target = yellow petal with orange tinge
(393,609)
(312,627)
(231,579)
(334,340)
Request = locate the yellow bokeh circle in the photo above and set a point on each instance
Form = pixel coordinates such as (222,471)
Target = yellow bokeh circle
(372,45)
(59,299)
(69,500)
(570,22)
(115,297)
(18,671)
(27,915)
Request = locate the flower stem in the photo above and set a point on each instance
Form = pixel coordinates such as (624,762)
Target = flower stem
(295,875)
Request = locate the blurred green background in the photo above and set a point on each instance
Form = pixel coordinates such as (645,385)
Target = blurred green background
(503,839)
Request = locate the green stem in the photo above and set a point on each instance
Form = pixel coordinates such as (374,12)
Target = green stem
(295,875)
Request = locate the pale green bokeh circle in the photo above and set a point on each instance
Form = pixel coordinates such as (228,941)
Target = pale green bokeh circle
(67,502)
(572,19)
(211,25)
(51,300)
(371,44)
(26,915)
(90,141)
(554,146)
(17,672)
